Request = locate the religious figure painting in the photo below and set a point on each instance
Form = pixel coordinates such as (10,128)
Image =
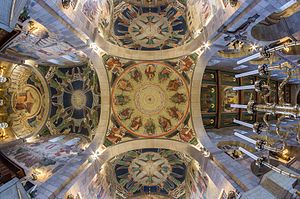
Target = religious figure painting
(229,96)
(28,100)
(150,99)
(208,98)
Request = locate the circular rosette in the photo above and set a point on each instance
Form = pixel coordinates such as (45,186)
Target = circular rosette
(150,99)
(150,30)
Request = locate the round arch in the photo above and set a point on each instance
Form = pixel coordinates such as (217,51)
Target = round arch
(20,139)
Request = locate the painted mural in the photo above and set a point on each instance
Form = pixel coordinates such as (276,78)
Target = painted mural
(199,13)
(149,28)
(150,171)
(150,99)
(75,100)
(98,12)
(99,187)
(36,42)
(196,182)
(209,77)
(209,120)
(159,96)
(27,92)
(228,96)
(209,98)
(45,156)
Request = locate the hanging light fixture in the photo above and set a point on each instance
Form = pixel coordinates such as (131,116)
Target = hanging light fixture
(282,109)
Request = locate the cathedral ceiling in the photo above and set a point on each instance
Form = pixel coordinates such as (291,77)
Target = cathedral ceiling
(25,101)
(64,101)
(75,100)
(150,171)
(159,27)
(150,99)
(35,41)
(149,25)
(45,156)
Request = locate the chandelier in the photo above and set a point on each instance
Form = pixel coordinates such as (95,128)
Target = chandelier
(281,109)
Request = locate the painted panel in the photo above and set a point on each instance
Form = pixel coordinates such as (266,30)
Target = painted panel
(228,96)
(227,119)
(245,116)
(200,12)
(209,120)
(208,98)
(98,12)
(209,77)
(247,80)
(228,79)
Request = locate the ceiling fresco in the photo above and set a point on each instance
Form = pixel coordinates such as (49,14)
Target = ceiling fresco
(24,106)
(151,173)
(149,92)
(199,14)
(157,171)
(38,43)
(150,99)
(45,156)
(149,28)
(98,12)
(197,182)
(75,100)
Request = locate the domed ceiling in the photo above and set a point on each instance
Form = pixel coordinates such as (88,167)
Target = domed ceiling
(23,104)
(149,92)
(150,171)
(150,99)
(59,107)
(75,99)
(49,100)
(152,25)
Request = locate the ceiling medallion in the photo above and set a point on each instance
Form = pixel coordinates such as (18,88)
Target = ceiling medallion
(150,99)
(150,30)
(78,99)
(150,169)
